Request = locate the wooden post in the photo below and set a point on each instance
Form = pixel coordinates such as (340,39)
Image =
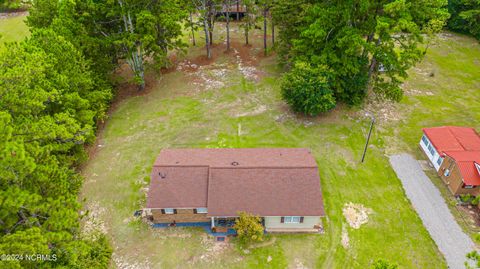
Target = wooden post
(368,138)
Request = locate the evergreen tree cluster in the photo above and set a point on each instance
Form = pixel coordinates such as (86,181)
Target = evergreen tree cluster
(54,89)
(50,102)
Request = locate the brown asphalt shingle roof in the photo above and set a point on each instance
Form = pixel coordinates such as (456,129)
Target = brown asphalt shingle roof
(263,181)
(182,187)
(245,157)
(265,192)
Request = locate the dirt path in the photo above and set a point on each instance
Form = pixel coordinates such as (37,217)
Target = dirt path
(5,15)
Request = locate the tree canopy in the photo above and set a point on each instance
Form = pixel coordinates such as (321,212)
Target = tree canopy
(369,45)
(465,16)
(134,31)
(51,101)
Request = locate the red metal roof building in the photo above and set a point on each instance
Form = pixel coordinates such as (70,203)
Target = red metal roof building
(455,153)
(453,138)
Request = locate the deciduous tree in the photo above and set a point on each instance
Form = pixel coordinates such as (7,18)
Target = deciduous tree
(368,44)
(465,16)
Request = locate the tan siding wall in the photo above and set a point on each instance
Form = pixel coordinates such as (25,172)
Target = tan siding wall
(275,222)
(183,215)
(454,181)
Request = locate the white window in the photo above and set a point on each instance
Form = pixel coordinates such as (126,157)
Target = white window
(425,140)
(168,210)
(201,210)
(468,186)
(291,219)
(431,149)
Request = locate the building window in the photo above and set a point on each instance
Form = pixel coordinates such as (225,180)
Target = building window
(292,219)
(468,186)
(169,210)
(201,210)
(425,140)
(439,160)
(447,173)
(431,149)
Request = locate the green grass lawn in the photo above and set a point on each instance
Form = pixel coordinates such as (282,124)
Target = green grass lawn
(183,111)
(13,29)
(449,81)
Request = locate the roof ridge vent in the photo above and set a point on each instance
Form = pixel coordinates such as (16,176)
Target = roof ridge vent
(234,163)
(162,175)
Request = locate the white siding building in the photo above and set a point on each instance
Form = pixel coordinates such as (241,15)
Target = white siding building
(431,152)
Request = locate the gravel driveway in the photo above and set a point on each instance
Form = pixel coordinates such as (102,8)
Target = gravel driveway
(432,209)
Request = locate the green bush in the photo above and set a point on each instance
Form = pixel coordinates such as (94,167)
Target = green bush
(384,264)
(249,228)
(476,200)
(466,198)
(307,89)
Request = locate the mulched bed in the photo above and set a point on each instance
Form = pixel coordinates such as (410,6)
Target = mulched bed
(472,211)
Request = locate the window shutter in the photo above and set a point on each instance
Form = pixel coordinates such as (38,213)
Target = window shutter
(282,219)
(301,219)
(174,211)
(163,211)
(194,211)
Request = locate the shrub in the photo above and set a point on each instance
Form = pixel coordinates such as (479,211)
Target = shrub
(476,200)
(466,198)
(307,89)
(249,228)
(476,237)
(473,258)
(384,264)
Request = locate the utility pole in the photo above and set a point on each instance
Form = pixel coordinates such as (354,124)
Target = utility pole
(368,137)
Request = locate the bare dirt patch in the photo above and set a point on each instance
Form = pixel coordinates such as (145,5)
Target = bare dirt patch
(345,239)
(298,264)
(356,214)
(213,249)
(5,15)
(93,223)
(473,216)
(383,110)
(164,233)
(209,74)
(122,263)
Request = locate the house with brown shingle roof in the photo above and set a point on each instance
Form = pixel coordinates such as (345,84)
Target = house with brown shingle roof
(200,187)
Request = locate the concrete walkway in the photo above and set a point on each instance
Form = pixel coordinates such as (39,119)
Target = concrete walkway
(432,209)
